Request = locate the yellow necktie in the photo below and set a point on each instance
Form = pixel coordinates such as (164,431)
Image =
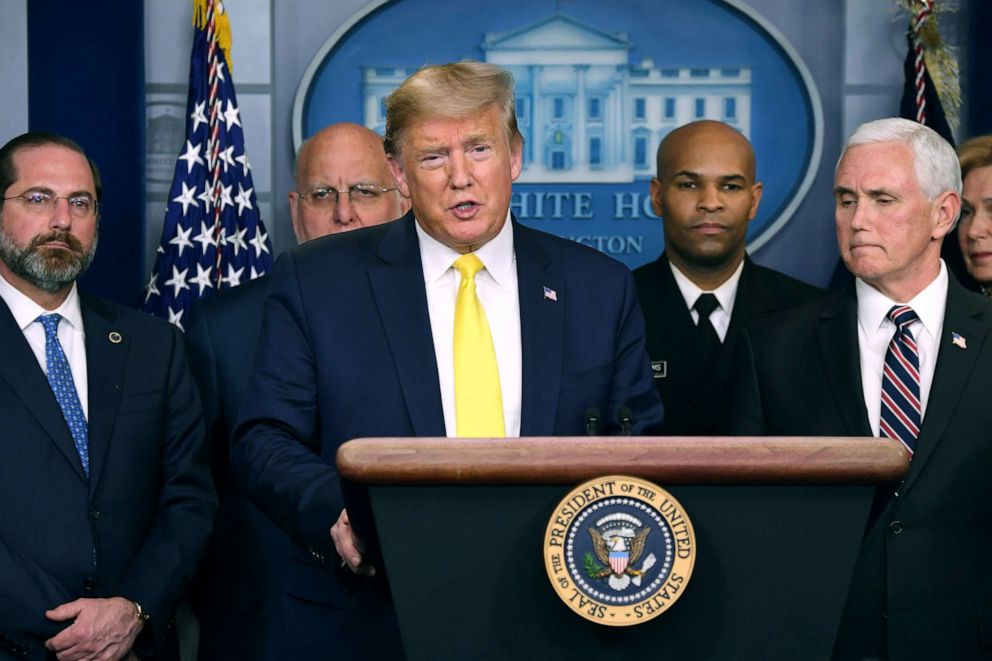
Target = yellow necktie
(478,400)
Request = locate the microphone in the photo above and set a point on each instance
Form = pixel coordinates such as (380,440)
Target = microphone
(592,421)
(624,415)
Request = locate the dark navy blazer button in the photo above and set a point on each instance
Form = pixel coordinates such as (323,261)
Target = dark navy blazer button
(895,527)
(89,584)
(95,514)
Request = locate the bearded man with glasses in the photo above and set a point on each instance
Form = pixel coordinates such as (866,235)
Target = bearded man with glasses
(107,501)
(343,183)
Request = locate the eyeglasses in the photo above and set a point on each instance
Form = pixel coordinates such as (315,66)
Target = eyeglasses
(41,202)
(361,195)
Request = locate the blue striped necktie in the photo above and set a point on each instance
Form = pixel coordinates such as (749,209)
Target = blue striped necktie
(60,379)
(902,411)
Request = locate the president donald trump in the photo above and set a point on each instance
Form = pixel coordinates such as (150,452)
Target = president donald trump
(452,321)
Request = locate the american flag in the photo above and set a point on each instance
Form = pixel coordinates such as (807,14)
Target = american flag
(213,237)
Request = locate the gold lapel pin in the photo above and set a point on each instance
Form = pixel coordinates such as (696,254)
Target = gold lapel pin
(115,337)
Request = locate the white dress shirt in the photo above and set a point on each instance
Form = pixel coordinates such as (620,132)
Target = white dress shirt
(496,287)
(725,295)
(875,331)
(72,337)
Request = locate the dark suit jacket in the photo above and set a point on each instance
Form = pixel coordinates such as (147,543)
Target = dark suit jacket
(925,559)
(239,581)
(346,352)
(147,506)
(692,395)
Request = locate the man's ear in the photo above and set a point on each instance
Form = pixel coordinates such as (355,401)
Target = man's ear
(946,209)
(396,167)
(756,190)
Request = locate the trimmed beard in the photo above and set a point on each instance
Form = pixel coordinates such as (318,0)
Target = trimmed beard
(48,269)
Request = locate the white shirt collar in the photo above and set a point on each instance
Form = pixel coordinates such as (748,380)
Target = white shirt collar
(26,311)
(496,254)
(929,304)
(725,293)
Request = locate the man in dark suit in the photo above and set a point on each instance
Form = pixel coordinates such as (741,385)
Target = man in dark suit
(706,194)
(107,501)
(903,353)
(365,335)
(343,183)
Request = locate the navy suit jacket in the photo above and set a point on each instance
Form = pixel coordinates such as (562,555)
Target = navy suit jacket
(347,352)
(147,506)
(694,396)
(239,581)
(922,587)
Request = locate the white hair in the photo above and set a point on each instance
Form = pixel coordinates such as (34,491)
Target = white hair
(937,167)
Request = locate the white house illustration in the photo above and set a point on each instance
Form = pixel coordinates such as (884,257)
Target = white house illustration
(586,113)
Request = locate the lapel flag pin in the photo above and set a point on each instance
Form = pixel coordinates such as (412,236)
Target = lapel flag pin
(114,337)
(958,340)
(550,294)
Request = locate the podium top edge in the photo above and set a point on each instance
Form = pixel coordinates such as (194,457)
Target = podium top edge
(667,459)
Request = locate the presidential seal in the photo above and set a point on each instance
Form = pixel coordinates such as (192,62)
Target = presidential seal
(619,550)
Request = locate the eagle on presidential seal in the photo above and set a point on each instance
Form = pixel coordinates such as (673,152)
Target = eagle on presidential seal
(618,541)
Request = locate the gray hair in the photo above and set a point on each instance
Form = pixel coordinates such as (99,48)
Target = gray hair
(936,164)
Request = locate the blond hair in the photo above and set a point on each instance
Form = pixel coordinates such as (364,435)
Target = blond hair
(457,90)
(975,153)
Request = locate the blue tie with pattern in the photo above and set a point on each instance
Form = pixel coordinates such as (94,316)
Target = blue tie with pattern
(902,414)
(60,379)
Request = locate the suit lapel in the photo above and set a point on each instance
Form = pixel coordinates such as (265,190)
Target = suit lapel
(398,286)
(965,317)
(542,323)
(837,337)
(21,371)
(107,348)
(751,301)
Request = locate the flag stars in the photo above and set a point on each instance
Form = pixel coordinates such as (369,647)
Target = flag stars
(177,281)
(207,196)
(191,156)
(225,198)
(181,239)
(243,198)
(243,160)
(232,115)
(198,115)
(233,278)
(202,279)
(176,318)
(186,199)
(206,237)
(260,242)
(227,157)
(151,289)
(237,240)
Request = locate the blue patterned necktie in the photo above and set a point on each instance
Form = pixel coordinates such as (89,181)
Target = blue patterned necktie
(60,379)
(902,413)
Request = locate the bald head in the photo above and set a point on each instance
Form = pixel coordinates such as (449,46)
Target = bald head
(340,157)
(709,135)
(706,195)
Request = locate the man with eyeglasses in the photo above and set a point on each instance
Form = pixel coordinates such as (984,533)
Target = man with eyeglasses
(106,498)
(342,183)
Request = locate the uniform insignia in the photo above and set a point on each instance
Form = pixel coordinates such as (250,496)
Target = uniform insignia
(115,337)
(659,369)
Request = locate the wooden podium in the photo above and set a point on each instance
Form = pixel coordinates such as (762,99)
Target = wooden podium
(778,524)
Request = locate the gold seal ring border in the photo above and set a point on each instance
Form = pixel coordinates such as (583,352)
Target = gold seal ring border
(593,609)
